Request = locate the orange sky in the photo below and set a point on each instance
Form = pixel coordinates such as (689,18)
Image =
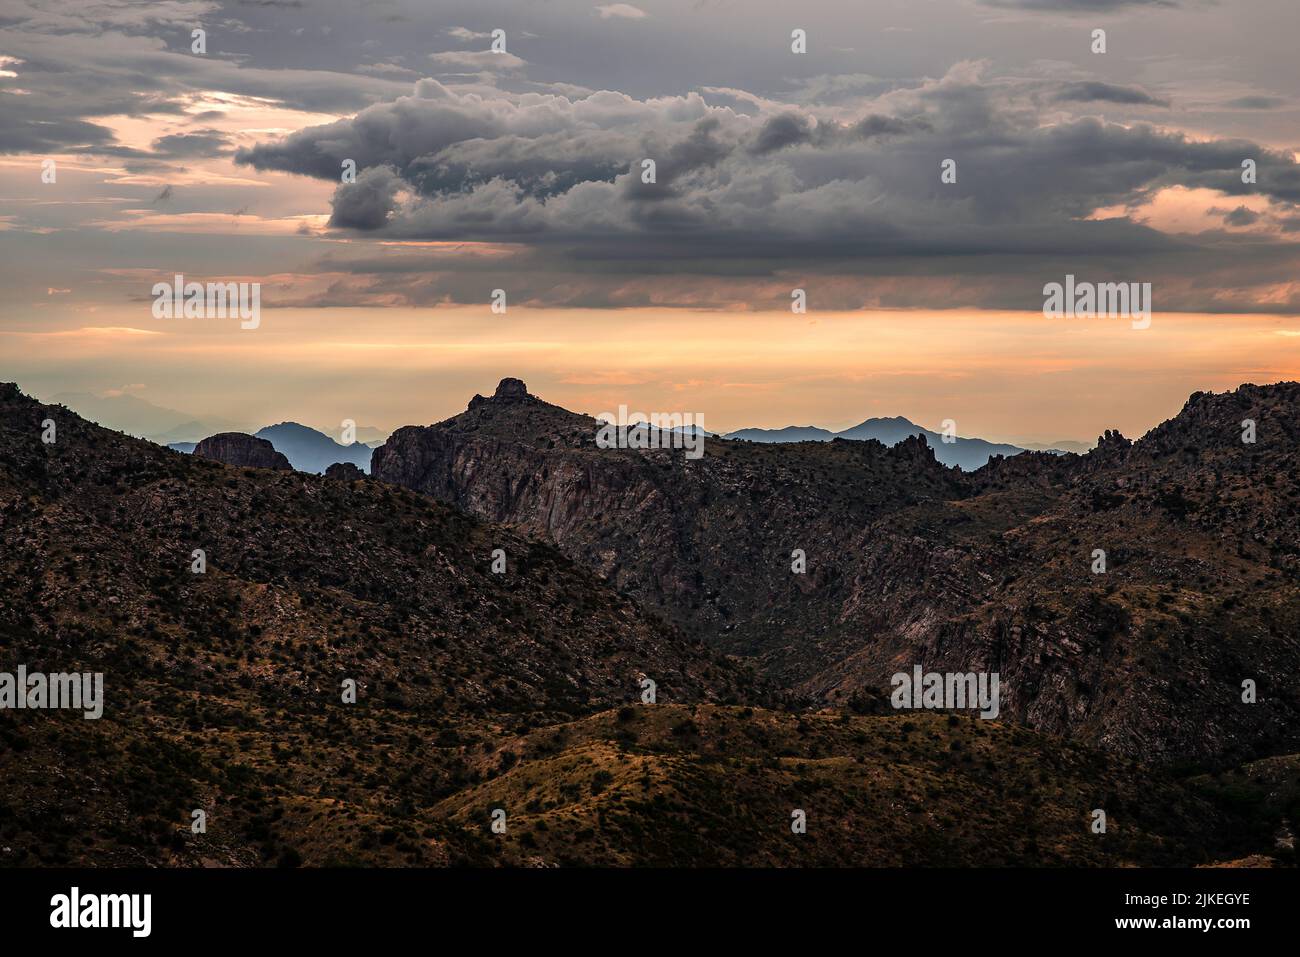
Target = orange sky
(1002,376)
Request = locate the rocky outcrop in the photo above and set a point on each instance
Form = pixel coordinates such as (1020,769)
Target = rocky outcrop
(240,449)
(508,391)
(344,472)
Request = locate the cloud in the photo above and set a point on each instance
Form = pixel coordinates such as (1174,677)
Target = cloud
(86,72)
(569,170)
(1092,91)
(1256,103)
(1078,6)
(623,11)
(746,205)
(476,61)
(367,203)
(1241,216)
(198,143)
(777,178)
(86,332)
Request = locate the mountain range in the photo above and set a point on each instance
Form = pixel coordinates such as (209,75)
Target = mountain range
(142,418)
(964,453)
(908,560)
(310,451)
(500,591)
(306,449)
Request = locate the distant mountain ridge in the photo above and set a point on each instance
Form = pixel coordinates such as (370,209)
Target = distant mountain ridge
(966,453)
(311,451)
(307,449)
(142,418)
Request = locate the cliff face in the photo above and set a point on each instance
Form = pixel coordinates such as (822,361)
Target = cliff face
(240,449)
(708,542)
(911,563)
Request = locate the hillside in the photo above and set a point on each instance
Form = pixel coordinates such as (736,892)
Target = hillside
(475,692)
(308,582)
(909,562)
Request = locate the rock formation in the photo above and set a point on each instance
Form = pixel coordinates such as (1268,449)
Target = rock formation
(241,449)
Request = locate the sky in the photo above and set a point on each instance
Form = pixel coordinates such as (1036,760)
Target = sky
(522,170)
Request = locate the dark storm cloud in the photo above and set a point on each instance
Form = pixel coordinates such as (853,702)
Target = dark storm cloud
(135,61)
(569,170)
(1241,216)
(198,143)
(1256,103)
(27,130)
(741,198)
(1187,276)
(1091,92)
(367,203)
(789,167)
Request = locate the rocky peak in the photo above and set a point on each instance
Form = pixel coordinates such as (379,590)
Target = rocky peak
(914,448)
(241,449)
(508,390)
(1113,439)
(511,389)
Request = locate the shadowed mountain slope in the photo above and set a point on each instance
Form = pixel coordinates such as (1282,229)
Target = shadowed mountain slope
(475,693)
(909,562)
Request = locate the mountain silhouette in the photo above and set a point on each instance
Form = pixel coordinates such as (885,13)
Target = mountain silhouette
(965,453)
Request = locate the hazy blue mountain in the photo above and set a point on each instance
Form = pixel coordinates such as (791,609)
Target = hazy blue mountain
(310,451)
(141,418)
(186,447)
(969,454)
(791,433)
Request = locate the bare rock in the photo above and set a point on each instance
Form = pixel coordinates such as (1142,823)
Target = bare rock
(241,449)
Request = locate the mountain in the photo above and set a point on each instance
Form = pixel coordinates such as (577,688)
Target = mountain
(478,692)
(791,433)
(967,454)
(305,449)
(910,562)
(223,689)
(311,451)
(141,418)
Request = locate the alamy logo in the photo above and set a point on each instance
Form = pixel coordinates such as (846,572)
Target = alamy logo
(103,910)
(1090,300)
(658,430)
(215,300)
(36,690)
(947,691)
